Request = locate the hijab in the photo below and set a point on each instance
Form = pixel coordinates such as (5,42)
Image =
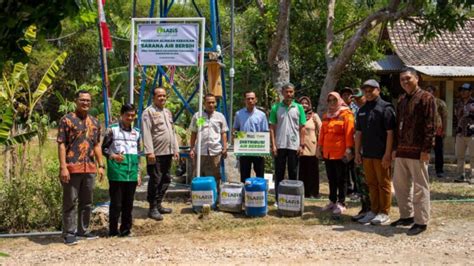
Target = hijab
(309,112)
(334,111)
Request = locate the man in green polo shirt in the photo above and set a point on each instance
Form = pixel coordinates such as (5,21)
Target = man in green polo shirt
(287,120)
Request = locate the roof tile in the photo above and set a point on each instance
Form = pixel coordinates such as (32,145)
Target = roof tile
(448,49)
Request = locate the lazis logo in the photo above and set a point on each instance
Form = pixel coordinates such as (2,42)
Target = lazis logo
(201,197)
(162,31)
(226,194)
(289,201)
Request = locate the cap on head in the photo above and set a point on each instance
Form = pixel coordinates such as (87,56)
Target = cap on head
(346,89)
(370,83)
(465,87)
(357,93)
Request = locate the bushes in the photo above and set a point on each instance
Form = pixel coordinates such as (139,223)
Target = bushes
(32,201)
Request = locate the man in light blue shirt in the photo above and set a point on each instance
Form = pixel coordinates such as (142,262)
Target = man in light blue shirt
(250,119)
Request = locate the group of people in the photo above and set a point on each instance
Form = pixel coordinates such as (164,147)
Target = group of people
(80,156)
(358,136)
(370,132)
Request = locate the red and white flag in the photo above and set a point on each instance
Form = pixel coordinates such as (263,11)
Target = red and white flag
(172,70)
(106,39)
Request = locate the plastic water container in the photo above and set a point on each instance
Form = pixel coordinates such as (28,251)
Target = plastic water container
(256,197)
(291,198)
(231,197)
(203,191)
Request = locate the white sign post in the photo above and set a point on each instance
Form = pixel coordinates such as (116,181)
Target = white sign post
(157,38)
(168,44)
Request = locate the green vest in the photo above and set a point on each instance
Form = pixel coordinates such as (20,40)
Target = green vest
(125,143)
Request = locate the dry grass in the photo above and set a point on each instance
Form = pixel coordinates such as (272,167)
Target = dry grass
(183,220)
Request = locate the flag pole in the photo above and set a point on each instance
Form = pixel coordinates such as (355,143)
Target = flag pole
(104,70)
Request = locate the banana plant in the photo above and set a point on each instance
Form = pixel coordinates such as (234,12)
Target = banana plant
(6,126)
(17,97)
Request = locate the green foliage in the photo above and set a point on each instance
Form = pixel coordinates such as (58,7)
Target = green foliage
(183,135)
(6,123)
(41,124)
(115,110)
(443,15)
(20,101)
(31,201)
(65,106)
(16,17)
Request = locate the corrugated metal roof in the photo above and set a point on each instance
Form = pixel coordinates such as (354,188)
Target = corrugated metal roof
(388,63)
(445,71)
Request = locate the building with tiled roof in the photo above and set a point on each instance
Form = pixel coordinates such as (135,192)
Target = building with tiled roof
(446,61)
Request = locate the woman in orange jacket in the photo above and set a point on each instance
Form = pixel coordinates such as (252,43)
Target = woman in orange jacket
(336,140)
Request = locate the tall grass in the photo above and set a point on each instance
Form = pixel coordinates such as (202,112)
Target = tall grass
(33,200)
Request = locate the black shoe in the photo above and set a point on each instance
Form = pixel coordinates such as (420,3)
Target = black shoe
(359,216)
(70,240)
(416,229)
(403,221)
(113,233)
(460,179)
(126,233)
(155,214)
(440,175)
(87,236)
(164,210)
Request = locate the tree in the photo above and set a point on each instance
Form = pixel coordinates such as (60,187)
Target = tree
(19,101)
(278,56)
(433,18)
(16,16)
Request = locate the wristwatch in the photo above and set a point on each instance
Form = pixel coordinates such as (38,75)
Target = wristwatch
(102,166)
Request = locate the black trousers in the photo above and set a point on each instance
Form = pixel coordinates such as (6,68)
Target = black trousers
(351,177)
(159,179)
(121,204)
(309,174)
(336,171)
(246,166)
(77,192)
(439,158)
(284,156)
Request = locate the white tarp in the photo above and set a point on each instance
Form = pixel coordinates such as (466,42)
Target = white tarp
(168,44)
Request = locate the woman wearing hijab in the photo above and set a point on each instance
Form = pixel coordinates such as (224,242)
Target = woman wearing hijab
(335,144)
(308,162)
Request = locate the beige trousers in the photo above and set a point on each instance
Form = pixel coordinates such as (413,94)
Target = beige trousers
(462,143)
(411,183)
(210,166)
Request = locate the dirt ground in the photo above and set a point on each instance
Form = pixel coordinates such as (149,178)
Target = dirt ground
(184,237)
(233,239)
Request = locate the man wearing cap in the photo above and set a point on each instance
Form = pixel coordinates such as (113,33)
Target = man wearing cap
(363,191)
(373,148)
(352,189)
(358,98)
(464,134)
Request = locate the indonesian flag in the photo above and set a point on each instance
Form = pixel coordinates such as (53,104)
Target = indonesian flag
(106,39)
(172,70)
